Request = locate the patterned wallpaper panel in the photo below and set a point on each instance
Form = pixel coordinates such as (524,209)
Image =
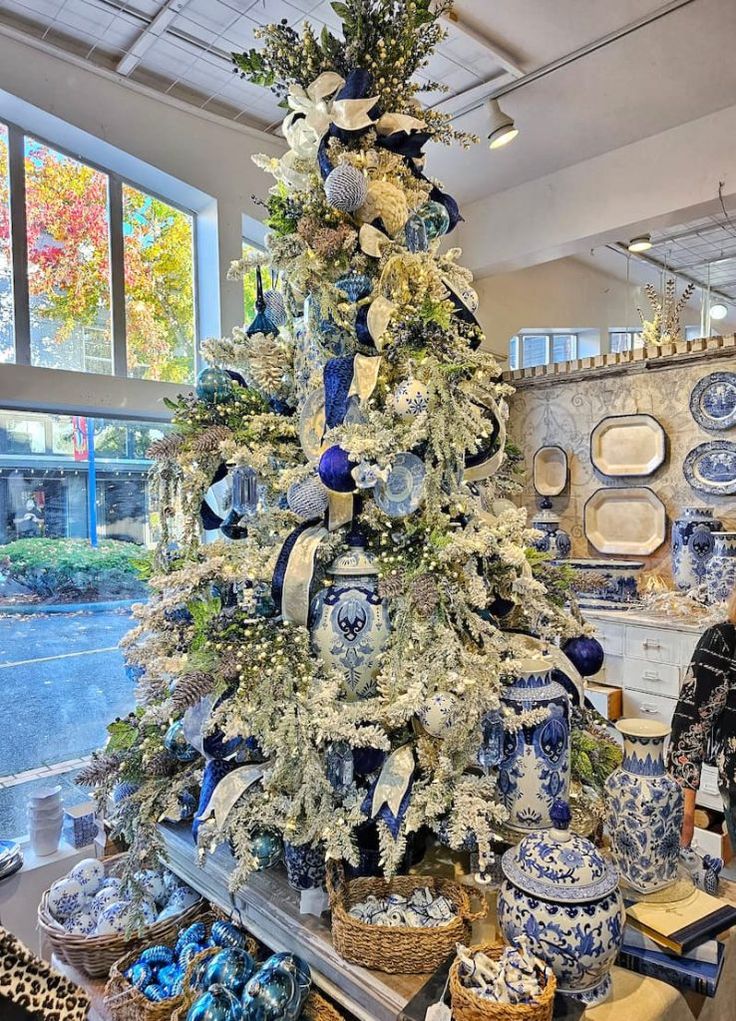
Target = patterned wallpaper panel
(566,412)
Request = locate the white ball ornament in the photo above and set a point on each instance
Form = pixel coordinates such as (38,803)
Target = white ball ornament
(103,899)
(346,188)
(82,923)
(410,398)
(114,919)
(438,713)
(66,897)
(90,874)
(152,881)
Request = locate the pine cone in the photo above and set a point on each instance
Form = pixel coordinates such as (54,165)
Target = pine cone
(98,770)
(210,440)
(161,764)
(165,449)
(391,586)
(425,594)
(189,690)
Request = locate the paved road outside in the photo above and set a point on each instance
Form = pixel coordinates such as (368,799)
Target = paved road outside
(61,680)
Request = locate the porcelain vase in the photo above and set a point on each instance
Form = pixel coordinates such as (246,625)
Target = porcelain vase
(721,569)
(644,809)
(559,893)
(534,769)
(693,537)
(554,540)
(349,621)
(305,865)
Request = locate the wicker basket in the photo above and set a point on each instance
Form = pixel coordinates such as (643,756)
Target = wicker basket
(95,955)
(466,1006)
(397,949)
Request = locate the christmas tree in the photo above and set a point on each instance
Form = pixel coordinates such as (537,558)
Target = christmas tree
(327,667)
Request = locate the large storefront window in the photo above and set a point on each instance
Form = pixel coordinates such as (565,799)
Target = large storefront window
(61,670)
(7,336)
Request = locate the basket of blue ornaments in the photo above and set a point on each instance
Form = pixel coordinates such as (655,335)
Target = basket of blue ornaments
(91,918)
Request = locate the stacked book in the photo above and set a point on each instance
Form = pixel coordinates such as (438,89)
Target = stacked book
(678,942)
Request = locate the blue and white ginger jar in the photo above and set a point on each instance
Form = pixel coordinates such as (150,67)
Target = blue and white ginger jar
(692,545)
(349,621)
(555,540)
(644,809)
(534,770)
(559,892)
(721,569)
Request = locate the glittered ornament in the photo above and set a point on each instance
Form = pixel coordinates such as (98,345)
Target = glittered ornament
(308,499)
(335,470)
(436,219)
(346,188)
(214,386)
(585,653)
(176,743)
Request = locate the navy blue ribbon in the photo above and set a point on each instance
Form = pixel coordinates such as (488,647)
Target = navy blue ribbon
(338,378)
(282,562)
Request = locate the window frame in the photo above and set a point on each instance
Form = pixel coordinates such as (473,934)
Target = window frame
(516,347)
(19,251)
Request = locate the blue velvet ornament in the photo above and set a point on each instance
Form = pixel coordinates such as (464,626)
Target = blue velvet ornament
(225,934)
(217,1004)
(230,968)
(262,323)
(335,468)
(214,386)
(139,975)
(436,219)
(175,741)
(585,653)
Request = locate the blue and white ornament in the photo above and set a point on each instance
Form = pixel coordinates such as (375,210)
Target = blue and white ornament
(438,713)
(152,881)
(436,219)
(410,398)
(90,874)
(114,919)
(275,306)
(104,898)
(82,923)
(66,898)
(308,499)
(354,285)
(346,188)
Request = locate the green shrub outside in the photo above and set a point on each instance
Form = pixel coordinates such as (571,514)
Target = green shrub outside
(64,570)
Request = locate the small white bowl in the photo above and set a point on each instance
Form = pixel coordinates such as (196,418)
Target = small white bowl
(45,795)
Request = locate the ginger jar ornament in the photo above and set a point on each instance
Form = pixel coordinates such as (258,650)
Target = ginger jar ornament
(349,620)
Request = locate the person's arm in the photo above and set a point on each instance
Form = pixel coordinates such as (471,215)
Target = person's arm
(701,701)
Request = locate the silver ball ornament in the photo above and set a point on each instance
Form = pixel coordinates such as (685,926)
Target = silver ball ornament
(346,188)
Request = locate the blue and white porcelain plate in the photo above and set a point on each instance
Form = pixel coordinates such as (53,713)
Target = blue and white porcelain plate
(403,491)
(711,467)
(713,401)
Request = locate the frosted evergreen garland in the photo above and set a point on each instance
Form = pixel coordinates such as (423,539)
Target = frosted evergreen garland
(355,231)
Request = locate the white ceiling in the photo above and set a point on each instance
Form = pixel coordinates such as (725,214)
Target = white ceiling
(672,70)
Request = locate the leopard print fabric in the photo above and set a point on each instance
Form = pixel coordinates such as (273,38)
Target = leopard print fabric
(31,984)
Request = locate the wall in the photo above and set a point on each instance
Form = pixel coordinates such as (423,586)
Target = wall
(566,412)
(561,294)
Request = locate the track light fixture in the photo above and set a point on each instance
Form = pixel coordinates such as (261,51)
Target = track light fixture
(641,243)
(503,130)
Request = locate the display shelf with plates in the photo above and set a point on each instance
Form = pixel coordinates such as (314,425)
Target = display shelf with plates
(629,521)
(711,467)
(628,446)
(550,470)
(713,401)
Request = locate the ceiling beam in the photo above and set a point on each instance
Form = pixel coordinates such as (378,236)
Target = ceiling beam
(499,54)
(153,31)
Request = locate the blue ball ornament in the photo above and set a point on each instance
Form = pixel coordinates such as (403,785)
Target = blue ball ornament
(155,993)
(168,975)
(354,285)
(194,933)
(585,653)
(436,219)
(214,386)
(175,741)
(157,956)
(290,962)
(225,934)
(139,975)
(188,952)
(217,1004)
(335,468)
(272,994)
(266,848)
(231,968)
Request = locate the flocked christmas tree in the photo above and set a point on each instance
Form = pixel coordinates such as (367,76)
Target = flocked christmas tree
(338,645)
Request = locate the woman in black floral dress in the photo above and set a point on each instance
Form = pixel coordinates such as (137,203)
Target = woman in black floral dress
(705,713)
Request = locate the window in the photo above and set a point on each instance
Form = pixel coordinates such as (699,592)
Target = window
(7,347)
(249,285)
(529,349)
(624,340)
(95,247)
(159,288)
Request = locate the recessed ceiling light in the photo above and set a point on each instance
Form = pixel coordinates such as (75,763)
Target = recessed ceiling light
(718,311)
(503,130)
(641,243)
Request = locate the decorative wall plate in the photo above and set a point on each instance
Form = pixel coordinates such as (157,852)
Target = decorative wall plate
(403,490)
(713,401)
(312,424)
(711,467)
(550,470)
(628,445)
(630,521)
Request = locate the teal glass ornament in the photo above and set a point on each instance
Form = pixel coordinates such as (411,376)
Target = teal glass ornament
(231,968)
(262,323)
(266,848)
(217,1004)
(436,219)
(272,995)
(175,741)
(214,386)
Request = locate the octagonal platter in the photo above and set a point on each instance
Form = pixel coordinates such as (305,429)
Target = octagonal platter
(550,470)
(628,445)
(632,521)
